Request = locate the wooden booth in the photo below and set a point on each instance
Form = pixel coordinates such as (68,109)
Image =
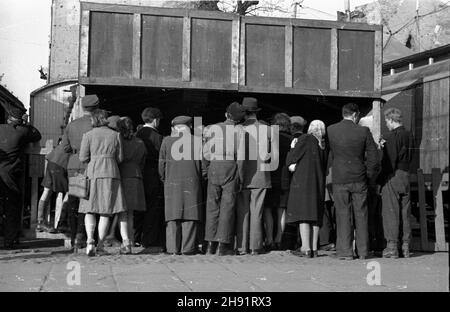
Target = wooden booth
(419,85)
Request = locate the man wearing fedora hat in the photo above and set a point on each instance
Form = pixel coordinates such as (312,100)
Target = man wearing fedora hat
(14,136)
(255,181)
(71,142)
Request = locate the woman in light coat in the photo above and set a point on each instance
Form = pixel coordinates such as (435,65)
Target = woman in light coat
(101,148)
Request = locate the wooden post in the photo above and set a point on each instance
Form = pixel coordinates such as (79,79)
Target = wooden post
(186,69)
(422,210)
(376,127)
(235,33)
(334,58)
(84,44)
(288,51)
(137,25)
(439,209)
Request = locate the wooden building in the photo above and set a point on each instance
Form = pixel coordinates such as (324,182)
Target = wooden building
(419,85)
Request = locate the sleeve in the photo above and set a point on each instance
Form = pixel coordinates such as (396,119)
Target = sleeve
(119,151)
(33,134)
(298,152)
(372,156)
(65,143)
(142,155)
(85,153)
(162,161)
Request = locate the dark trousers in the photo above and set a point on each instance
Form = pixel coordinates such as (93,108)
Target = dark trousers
(351,201)
(396,209)
(376,237)
(249,228)
(181,236)
(150,226)
(327,232)
(12,211)
(76,219)
(220,212)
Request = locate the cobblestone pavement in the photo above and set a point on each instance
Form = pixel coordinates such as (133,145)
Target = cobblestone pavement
(52,269)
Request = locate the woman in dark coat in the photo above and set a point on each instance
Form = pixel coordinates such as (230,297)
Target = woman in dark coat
(308,162)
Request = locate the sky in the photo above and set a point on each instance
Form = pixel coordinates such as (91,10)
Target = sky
(25,36)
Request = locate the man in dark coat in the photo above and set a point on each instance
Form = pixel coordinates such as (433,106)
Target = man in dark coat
(180,169)
(394,179)
(256,180)
(149,226)
(350,145)
(14,136)
(71,143)
(220,152)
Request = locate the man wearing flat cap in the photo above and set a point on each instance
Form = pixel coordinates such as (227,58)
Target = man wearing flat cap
(14,136)
(71,143)
(223,167)
(256,180)
(180,169)
(149,225)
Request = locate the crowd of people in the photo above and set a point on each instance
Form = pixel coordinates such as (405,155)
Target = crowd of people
(231,189)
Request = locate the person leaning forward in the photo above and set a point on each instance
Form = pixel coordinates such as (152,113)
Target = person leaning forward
(71,143)
(354,160)
(180,169)
(221,159)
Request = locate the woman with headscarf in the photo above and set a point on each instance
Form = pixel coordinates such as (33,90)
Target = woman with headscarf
(308,163)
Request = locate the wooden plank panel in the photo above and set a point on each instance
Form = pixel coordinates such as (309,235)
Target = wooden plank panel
(111,45)
(242,54)
(439,210)
(236,34)
(162,42)
(378,60)
(422,210)
(356,59)
(288,50)
(444,102)
(137,29)
(435,96)
(376,127)
(265,56)
(425,145)
(211,50)
(84,44)
(334,58)
(312,66)
(186,64)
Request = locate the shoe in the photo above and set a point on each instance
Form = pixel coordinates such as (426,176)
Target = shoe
(315,254)
(303,254)
(390,252)
(243,252)
(9,245)
(90,249)
(405,250)
(342,257)
(42,227)
(125,249)
(225,250)
(191,253)
(212,248)
(256,252)
(362,257)
(177,253)
(329,247)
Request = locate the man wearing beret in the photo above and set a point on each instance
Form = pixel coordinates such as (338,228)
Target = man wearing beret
(255,180)
(180,169)
(149,225)
(220,152)
(71,143)
(14,136)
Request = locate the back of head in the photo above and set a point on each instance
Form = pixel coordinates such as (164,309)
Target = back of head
(282,120)
(393,114)
(151,113)
(349,109)
(125,126)
(99,118)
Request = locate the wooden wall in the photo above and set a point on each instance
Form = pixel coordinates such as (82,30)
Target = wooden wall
(173,48)
(422,95)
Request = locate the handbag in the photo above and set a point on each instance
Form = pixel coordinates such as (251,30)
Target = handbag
(79,186)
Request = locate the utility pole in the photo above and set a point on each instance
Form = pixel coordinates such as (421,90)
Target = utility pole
(347,9)
(417,24)
(297,3)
